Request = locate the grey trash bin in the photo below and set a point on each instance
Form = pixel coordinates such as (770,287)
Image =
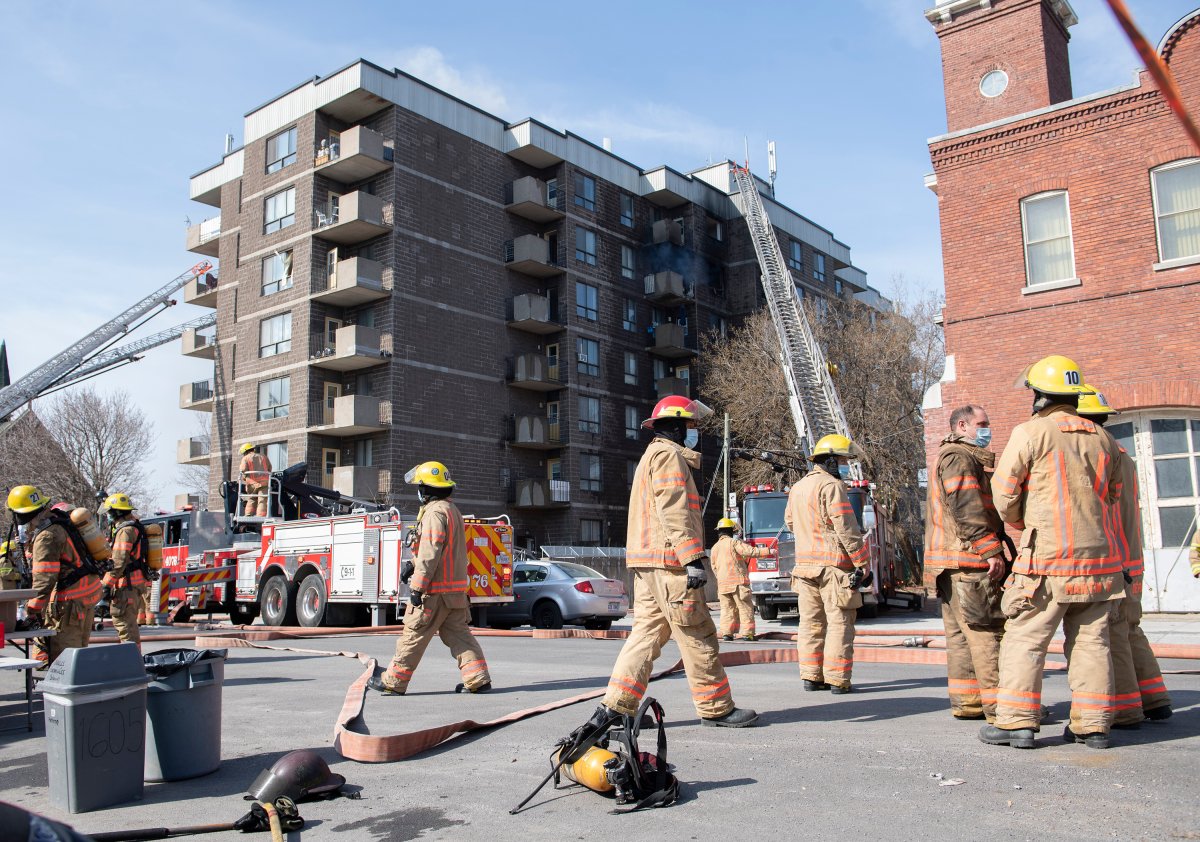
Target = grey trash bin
(183,710)
(95,703)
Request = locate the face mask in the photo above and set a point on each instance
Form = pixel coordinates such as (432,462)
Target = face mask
(691,438)
(843,471)
(983,436)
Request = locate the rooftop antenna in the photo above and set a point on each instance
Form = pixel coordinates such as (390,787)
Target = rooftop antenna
(771,167)
(228,143)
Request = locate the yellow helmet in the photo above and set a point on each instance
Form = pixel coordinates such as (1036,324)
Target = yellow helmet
(5,546)
(726,523)
(836,445)
(589,769)
(433,474)
(25,499)
(1093,402)
(246,448)
(1055,375)
(118,502)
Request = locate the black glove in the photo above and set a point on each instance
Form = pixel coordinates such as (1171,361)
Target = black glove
(697,575)
(1128,578)
(406,571)
(416,598)
(860,577)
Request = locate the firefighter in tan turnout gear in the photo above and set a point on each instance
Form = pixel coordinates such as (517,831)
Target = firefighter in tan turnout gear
(664,549)
(1139,688)
(438,583)
(255,471)
(831,563)
(964,562)
(126,580)
(728,557)
(1057,481)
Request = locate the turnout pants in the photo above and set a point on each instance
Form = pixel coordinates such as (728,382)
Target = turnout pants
(737,611)
(446,616)
(1023,657)
(825,631)
(974,627)
(255,497)
(124,605)
(1138,680)
(664,608)
(73,622)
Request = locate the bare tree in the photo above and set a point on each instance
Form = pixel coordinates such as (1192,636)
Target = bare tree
(29,455)
(194,479)
(106,437)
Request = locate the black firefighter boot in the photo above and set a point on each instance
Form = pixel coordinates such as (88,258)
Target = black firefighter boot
(1095,740)
(1017,738)
(736,718)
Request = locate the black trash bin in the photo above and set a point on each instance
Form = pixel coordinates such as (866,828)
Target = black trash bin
(183,713)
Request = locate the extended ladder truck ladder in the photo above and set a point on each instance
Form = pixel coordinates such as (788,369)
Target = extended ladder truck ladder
(812,396)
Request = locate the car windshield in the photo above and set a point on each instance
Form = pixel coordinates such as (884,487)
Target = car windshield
(577,571)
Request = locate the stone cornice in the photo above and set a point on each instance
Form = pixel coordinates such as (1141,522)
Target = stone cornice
(945,11)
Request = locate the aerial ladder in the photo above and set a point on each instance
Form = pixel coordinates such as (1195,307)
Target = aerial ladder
(92,354)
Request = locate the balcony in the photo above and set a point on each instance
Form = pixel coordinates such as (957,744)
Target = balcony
(363,481)
(197,396)
(193,451)
(666,231)
(541,494)
(533,199)
(353,347)
(205,237)
(201,344)
(536,432)
(669,342)
(353,155)
(201,291)
(534,372)
(350,218)
(354,281)
(189,501)
(665,288)
(530,254)
(666,386)
(531,313)
(349,415)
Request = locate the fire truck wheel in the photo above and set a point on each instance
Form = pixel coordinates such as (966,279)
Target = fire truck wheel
(243,613)
(869,612)
(311,600)
(546,615)
(768,612)
(277,602)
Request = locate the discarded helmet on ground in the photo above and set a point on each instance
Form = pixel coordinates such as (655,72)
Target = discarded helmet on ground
(299,775)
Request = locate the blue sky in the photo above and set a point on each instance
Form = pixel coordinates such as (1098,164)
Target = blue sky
(111,106)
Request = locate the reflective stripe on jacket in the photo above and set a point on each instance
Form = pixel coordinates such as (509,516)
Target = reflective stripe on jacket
(728,557)
(962,527)
(441,556)
(819,514)
(1056,480)
(126,553)
(52,557)
(1128,526)
(255,469)
(665,529)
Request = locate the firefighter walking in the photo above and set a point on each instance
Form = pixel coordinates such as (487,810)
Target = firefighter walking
(127,580)
(964,562)
(831,563)
(438,583)
(729,556)
(1139,688)
(67,588)
(255,470)
(1056,481)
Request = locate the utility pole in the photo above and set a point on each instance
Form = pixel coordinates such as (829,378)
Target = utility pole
(726,462)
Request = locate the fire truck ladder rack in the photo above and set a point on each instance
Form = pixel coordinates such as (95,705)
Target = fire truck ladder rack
(812,396)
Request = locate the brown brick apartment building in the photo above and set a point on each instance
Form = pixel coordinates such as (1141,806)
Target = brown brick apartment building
(1072,226)
(406,277)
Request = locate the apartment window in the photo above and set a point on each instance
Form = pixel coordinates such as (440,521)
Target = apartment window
(275,335)
(633,424)
(1176,189)
(626,210)
(273,396)
(281,150)
(819,267)
(837,285)
(586,297)
(627,270)
(631,368)
(589,414)
(629,316)
(660,369)
(364,452)
(585,192)
(552,193)
(714,229)
(1049,252)
(585,245)
(589,471)
(796,256)
(277,455)
(276,272)
(587,353)
(589,532)
(279,211)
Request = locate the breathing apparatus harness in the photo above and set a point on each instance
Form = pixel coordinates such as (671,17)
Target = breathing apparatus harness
(87,566)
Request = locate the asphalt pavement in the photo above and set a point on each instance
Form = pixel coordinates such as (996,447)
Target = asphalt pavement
(886,762)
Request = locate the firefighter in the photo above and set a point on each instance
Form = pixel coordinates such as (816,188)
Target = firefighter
(664,549)
(1194,560)
(67,590)
(127,580)
(831,563)
(438,584)
(1140,690)
(964,562)
(1056,481)
(10,567)
(255,469)
(729,557)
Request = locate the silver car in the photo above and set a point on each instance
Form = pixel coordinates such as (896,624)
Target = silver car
(548,594)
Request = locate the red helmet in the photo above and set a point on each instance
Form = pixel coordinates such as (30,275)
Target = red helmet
(677,406)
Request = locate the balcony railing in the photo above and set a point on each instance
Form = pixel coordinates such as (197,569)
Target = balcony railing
(351,347)
(531,255)
(353,281)
(535,432)
(363,481)
(533,314)
(200,343)
(350,218)
(201,291)
(192,451)
(349,415)
(666,386)
(534,199)
(670,342)
(666,231)
(535,373)
(352,155)
(196,396)
(540,494)
(205,237)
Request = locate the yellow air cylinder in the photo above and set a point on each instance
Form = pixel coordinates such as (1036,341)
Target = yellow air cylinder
(589,769)
(154,535)
(93,536)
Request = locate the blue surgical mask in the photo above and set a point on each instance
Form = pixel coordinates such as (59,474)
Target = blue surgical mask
(843,471)
(692,438)
(983,436)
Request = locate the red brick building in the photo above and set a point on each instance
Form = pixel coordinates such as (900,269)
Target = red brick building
(1071,224)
